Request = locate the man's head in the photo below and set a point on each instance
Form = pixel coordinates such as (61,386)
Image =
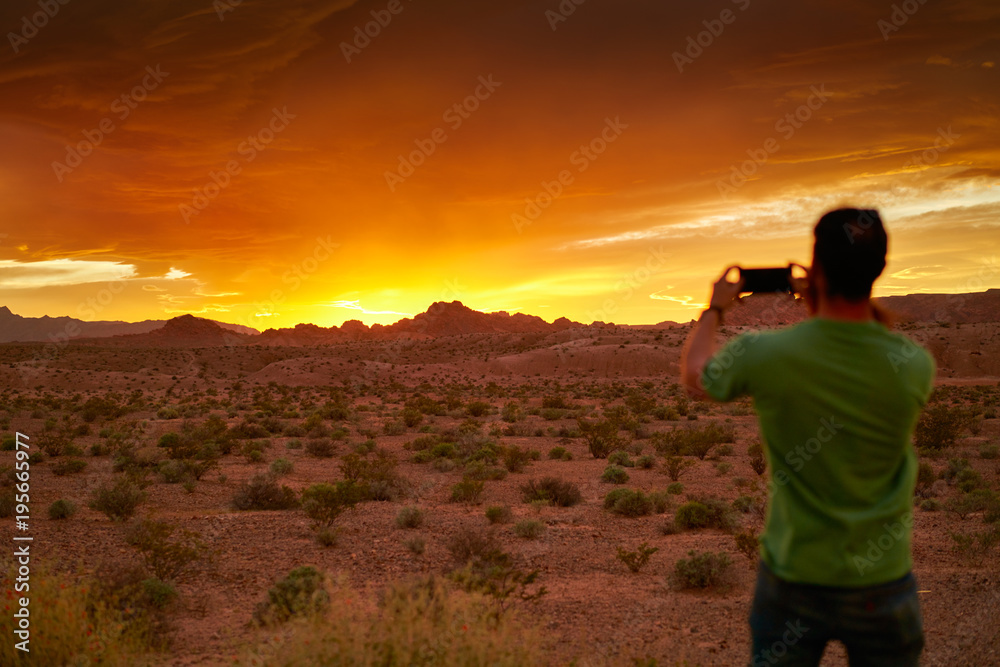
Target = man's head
(849,251)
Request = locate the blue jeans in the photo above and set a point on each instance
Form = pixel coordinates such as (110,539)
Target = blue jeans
(792,623)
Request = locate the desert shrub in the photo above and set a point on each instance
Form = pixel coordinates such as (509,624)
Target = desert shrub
(511,412)
(158,592)
(119,499)
(262,492)
(91,628)
(413,623)
(977,500)
(301,593)
(989,451)
(660,500)
(939,427)
(62,509)
(705,513)
(560,454)
(412,417)
(757,461)
(701,570)
(976,547)
(409,517)
(930,505)
(499,514)
(416,545)
(925,479)
(478,408)
(529,529)
(748,544)
(68,466)
(620,458)
(722,468)
(614,475)
(479,471)
(675,489)
(646,462)
(469,543)
(675,466)
(602,437)
(628,502)
(552,490)
(321,448)
(724,450)
(323,502)
(636,560)
(467,491)
(516,459)
(394,427)
(281,467)
(693,441)
(164,557)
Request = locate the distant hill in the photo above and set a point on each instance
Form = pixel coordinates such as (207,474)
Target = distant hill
(951,308)
(30,329)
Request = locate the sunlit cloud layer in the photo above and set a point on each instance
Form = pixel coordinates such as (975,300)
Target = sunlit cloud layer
(271,164)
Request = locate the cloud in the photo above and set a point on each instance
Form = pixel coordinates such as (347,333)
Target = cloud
(60,272)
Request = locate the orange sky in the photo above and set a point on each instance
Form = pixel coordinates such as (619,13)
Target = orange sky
(820,104)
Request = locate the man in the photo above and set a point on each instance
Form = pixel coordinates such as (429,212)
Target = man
(837,397)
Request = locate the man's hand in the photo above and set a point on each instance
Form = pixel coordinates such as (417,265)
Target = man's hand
(725,293)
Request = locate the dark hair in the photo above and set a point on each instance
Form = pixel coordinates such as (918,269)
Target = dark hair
(851,245)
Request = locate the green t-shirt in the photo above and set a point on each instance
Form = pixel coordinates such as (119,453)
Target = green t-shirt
(837,403)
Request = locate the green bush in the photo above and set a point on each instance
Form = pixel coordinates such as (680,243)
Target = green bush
(262,492)
(62,509)
(158,593)
(676,465)
(701,570)
(602,437)
(675,489)
(467,491)
(939,427)
(516,459)
(321,448)
(646,462)
(636,560)
(68,466)
(551,490)
(989,451)
(560,454)
(301,593)
(281,467)
(409,517)
(323,502)
(529,529)
(628,502)
(705,513)
(614,475)
(164,557)
(748,544)
(499,514)
(478,408)
(693,441)
(620,458)
(118,500)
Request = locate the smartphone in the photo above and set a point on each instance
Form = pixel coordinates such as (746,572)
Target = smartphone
(766,280)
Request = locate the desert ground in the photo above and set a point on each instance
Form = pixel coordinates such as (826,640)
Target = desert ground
(456,426)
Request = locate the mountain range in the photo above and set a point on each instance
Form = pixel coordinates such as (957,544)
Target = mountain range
(449,319)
